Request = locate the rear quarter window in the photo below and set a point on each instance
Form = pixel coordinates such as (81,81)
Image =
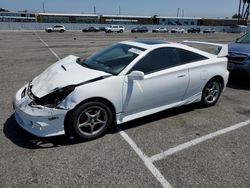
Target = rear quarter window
(186,56)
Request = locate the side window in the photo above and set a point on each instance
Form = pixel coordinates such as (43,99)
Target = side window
(157,60)
(188,57)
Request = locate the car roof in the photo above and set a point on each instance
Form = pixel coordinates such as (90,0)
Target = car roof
(145,43)
(152,43)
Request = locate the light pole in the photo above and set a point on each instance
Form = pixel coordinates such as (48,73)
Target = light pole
(43,8)
(178,10)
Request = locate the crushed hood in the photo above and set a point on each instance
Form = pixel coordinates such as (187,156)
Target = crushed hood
(63,73)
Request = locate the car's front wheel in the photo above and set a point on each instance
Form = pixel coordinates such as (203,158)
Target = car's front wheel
(211,93)
(90,120)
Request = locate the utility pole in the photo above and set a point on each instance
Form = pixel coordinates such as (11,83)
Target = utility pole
(43,8)
(94,10)
(119,10)
(183,12)
(178,10)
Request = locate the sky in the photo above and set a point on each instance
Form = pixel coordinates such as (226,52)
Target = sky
(190,8)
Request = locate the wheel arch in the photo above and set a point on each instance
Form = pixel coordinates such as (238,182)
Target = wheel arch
(99,99)
(220,79)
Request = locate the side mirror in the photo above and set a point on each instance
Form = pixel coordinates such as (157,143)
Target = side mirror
(136,75)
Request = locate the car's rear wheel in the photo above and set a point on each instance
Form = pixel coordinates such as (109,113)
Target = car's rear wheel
(90,120)
(211,92)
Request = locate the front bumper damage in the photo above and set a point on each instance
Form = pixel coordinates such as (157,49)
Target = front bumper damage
(36,119)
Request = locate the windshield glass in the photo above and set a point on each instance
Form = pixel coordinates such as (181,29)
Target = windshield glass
(112,59)
(244,39)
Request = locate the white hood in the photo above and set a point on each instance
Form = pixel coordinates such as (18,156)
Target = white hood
(63,73)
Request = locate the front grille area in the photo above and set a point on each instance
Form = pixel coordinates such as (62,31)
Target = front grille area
(237,57)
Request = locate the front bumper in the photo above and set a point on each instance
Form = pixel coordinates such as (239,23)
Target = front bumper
(38,120)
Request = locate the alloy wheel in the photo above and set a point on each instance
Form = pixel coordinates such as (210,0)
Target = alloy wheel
(212,92)
(92,120)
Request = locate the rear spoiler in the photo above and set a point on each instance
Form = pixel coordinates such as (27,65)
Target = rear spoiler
(221,50)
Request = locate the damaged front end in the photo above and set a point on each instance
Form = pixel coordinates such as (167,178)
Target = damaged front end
(57,95)
(41,116)
(44,116)
(51,100)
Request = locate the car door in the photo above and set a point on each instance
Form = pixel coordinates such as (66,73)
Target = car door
(165,82)
(115,28)
(197,66)
(55,28)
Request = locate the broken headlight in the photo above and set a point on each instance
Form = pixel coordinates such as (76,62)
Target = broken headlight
(54,98)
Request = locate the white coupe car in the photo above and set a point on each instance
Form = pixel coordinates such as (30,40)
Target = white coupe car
(177,30)
(129,80)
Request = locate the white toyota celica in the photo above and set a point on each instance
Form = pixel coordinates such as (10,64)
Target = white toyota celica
(128,80)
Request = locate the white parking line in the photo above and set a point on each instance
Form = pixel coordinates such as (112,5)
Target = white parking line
(157,174)
(54,53)
(196,141)
(138,151)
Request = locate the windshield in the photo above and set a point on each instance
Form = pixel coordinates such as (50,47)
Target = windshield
(244,39)
(112,59)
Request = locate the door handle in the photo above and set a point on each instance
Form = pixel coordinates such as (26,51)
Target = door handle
(181,75)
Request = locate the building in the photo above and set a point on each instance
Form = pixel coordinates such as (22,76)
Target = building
(218,22)
(178,21)
(125,19)
(67,18)
(17,17)
(6,16)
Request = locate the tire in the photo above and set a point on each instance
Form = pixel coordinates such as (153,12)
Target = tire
(62,31)
(96,117)
(211,93)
